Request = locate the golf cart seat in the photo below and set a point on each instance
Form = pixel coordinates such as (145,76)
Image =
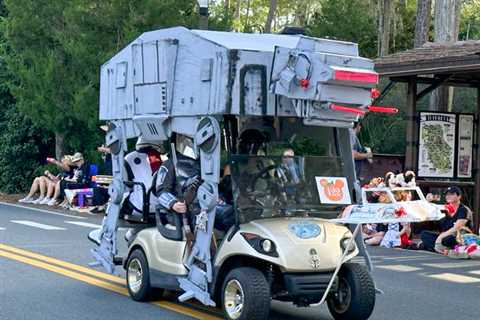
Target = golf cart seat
(169,224)
(144,215)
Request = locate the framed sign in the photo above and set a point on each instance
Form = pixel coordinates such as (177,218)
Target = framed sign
(333,190)
(465,145)
(437,142)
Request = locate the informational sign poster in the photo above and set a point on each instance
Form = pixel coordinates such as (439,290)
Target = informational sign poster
(465,146)
(333,190)
(437,140)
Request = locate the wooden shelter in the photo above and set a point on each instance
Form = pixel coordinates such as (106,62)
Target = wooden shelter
(455,64)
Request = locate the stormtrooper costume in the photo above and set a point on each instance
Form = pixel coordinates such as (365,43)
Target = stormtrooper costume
(141,166)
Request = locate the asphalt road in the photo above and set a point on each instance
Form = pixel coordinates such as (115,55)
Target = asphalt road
(44,275)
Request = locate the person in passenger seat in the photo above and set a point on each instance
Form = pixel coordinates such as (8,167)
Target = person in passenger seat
(141,166)
(177,185)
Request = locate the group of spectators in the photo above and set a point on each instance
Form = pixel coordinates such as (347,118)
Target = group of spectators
(75,174)
(443,239)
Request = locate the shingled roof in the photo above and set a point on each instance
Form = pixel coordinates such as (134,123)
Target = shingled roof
(432,58)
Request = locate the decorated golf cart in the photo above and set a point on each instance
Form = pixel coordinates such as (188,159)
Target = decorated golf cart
(277,109)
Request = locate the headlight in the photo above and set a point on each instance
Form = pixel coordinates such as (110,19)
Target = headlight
(264,246)
(344,245)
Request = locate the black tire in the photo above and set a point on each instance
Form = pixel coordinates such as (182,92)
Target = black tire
(359,304)
(256,294)
(141,291)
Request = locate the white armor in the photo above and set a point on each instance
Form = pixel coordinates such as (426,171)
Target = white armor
(139,170)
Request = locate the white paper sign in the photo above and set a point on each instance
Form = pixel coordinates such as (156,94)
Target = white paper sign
(333,190)
(465,144)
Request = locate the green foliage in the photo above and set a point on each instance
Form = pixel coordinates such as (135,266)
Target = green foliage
(51,53)
(19,150)
(385,133)
(54,50)
(348,20)
(404,26)
(470,20)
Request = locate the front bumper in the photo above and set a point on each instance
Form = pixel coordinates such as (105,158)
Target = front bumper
(308,285)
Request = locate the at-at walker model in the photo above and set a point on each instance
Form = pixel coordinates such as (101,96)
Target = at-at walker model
(252,97)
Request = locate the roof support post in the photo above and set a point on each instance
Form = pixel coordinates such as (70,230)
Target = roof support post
(476,167)
(412,132)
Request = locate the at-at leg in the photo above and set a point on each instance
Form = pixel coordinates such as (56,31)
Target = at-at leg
(199,263)
(106,237)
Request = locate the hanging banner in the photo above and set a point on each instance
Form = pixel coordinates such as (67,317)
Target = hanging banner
(465,145)
(437,141)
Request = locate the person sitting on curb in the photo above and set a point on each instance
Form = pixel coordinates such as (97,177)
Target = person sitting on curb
(46,184)
(454,221)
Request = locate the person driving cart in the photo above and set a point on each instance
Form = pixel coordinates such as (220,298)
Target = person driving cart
(177,184)
(290,176)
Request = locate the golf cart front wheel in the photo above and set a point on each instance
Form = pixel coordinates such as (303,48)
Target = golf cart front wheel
(138,276)
(355,297)
(246,295)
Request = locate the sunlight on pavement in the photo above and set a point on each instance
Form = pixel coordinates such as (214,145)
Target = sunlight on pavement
(454,278)
(453,265)
(399,267)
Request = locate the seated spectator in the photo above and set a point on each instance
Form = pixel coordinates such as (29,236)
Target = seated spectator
(456,219)
(376,235)
(79,180)
(398,235)
(46,184)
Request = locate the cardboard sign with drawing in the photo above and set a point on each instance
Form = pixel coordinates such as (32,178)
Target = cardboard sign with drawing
(333,190)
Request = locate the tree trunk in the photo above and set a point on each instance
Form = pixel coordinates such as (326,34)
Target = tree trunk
(227,6)
(422,22)
(271,16)
(59,145)
(246,26)
(384,26)
(237,9)
(301,13)
(447,21)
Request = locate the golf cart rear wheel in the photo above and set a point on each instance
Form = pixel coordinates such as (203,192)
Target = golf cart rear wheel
(138,276)
(355,298)
(245,295)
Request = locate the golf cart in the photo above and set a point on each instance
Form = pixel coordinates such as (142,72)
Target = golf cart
(278,110)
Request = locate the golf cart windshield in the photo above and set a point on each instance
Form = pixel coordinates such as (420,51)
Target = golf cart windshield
(273,186)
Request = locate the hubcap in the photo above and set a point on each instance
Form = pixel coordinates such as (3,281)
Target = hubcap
(135,275)
(343,297)
(234,299)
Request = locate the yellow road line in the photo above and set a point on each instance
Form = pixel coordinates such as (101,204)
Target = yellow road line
(32,259)
(65,272)
(65,264)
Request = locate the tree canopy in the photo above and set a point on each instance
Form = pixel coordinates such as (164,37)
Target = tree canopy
(51,52)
